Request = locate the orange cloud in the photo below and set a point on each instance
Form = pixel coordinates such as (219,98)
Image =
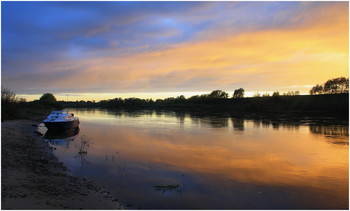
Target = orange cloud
(308,52)
(307,55)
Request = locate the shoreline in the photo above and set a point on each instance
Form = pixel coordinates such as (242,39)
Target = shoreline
(332,104)
(33,178)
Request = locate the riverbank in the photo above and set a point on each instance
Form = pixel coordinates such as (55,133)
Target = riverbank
(302,105)
(33,178)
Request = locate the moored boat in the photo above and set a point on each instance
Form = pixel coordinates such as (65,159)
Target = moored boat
(61,120)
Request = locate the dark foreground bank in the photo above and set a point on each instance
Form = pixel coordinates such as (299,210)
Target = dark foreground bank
(33,178)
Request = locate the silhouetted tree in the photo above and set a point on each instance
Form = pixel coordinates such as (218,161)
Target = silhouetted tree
(291,93)
(318,89)
(336,86)
(181,97)
(7,96)
(218,94)
(48,98)
(275,94)
(257,94)
(150,101)
(332,86)
(238,93)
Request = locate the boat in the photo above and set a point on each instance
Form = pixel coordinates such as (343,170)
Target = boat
(61,120)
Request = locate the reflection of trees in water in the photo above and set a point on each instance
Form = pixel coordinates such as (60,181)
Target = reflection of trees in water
(130,113)
(276,124)
(181,117)
(213,121)
(159,113)
(338,134)
(221,120)
(335,130)
(82,146)
(265,123)
(290,126)
(238,124)
(217,122)
(256,123)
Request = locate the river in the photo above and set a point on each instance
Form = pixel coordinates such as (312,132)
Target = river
(180,160)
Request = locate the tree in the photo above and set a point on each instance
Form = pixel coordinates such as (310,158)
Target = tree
(7,96)
(266,94)
(275,94)
(318,89)
(181,98)
(336,86)
(218,94)
(257,94)
(238,93)
(291,93)
(48,98)
(332,86)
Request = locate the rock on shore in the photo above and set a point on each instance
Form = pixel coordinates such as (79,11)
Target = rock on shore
(33,178)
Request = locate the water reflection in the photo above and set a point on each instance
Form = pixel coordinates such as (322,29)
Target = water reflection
(216,120)
(337,134)
(61,138)
(221,161)
(82,150)
(212,121)
(276,124)
(238,124)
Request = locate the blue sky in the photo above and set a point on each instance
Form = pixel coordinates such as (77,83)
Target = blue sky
(172,47)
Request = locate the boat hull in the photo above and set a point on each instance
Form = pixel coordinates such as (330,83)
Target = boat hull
(62,125)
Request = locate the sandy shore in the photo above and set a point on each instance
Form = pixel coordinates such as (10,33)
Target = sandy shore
(33,178)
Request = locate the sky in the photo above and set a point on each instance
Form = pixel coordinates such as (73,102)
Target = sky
(102,50)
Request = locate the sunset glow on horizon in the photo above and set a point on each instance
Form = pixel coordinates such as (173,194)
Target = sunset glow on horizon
(104,50)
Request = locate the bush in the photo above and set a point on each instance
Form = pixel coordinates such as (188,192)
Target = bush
(50,100)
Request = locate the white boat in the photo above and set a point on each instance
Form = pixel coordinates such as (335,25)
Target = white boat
(59,120)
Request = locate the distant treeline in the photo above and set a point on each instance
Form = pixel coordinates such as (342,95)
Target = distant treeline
(330,97)
(329,103)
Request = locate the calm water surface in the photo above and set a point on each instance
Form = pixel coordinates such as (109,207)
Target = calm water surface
(168,160)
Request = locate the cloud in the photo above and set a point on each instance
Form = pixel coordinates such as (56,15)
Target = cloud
(187,46)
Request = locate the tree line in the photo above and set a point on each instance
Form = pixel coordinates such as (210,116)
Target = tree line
(13,107)
(11,103)
(332,86)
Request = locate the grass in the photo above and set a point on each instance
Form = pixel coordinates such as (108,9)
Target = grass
(25,110)
(166,187)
